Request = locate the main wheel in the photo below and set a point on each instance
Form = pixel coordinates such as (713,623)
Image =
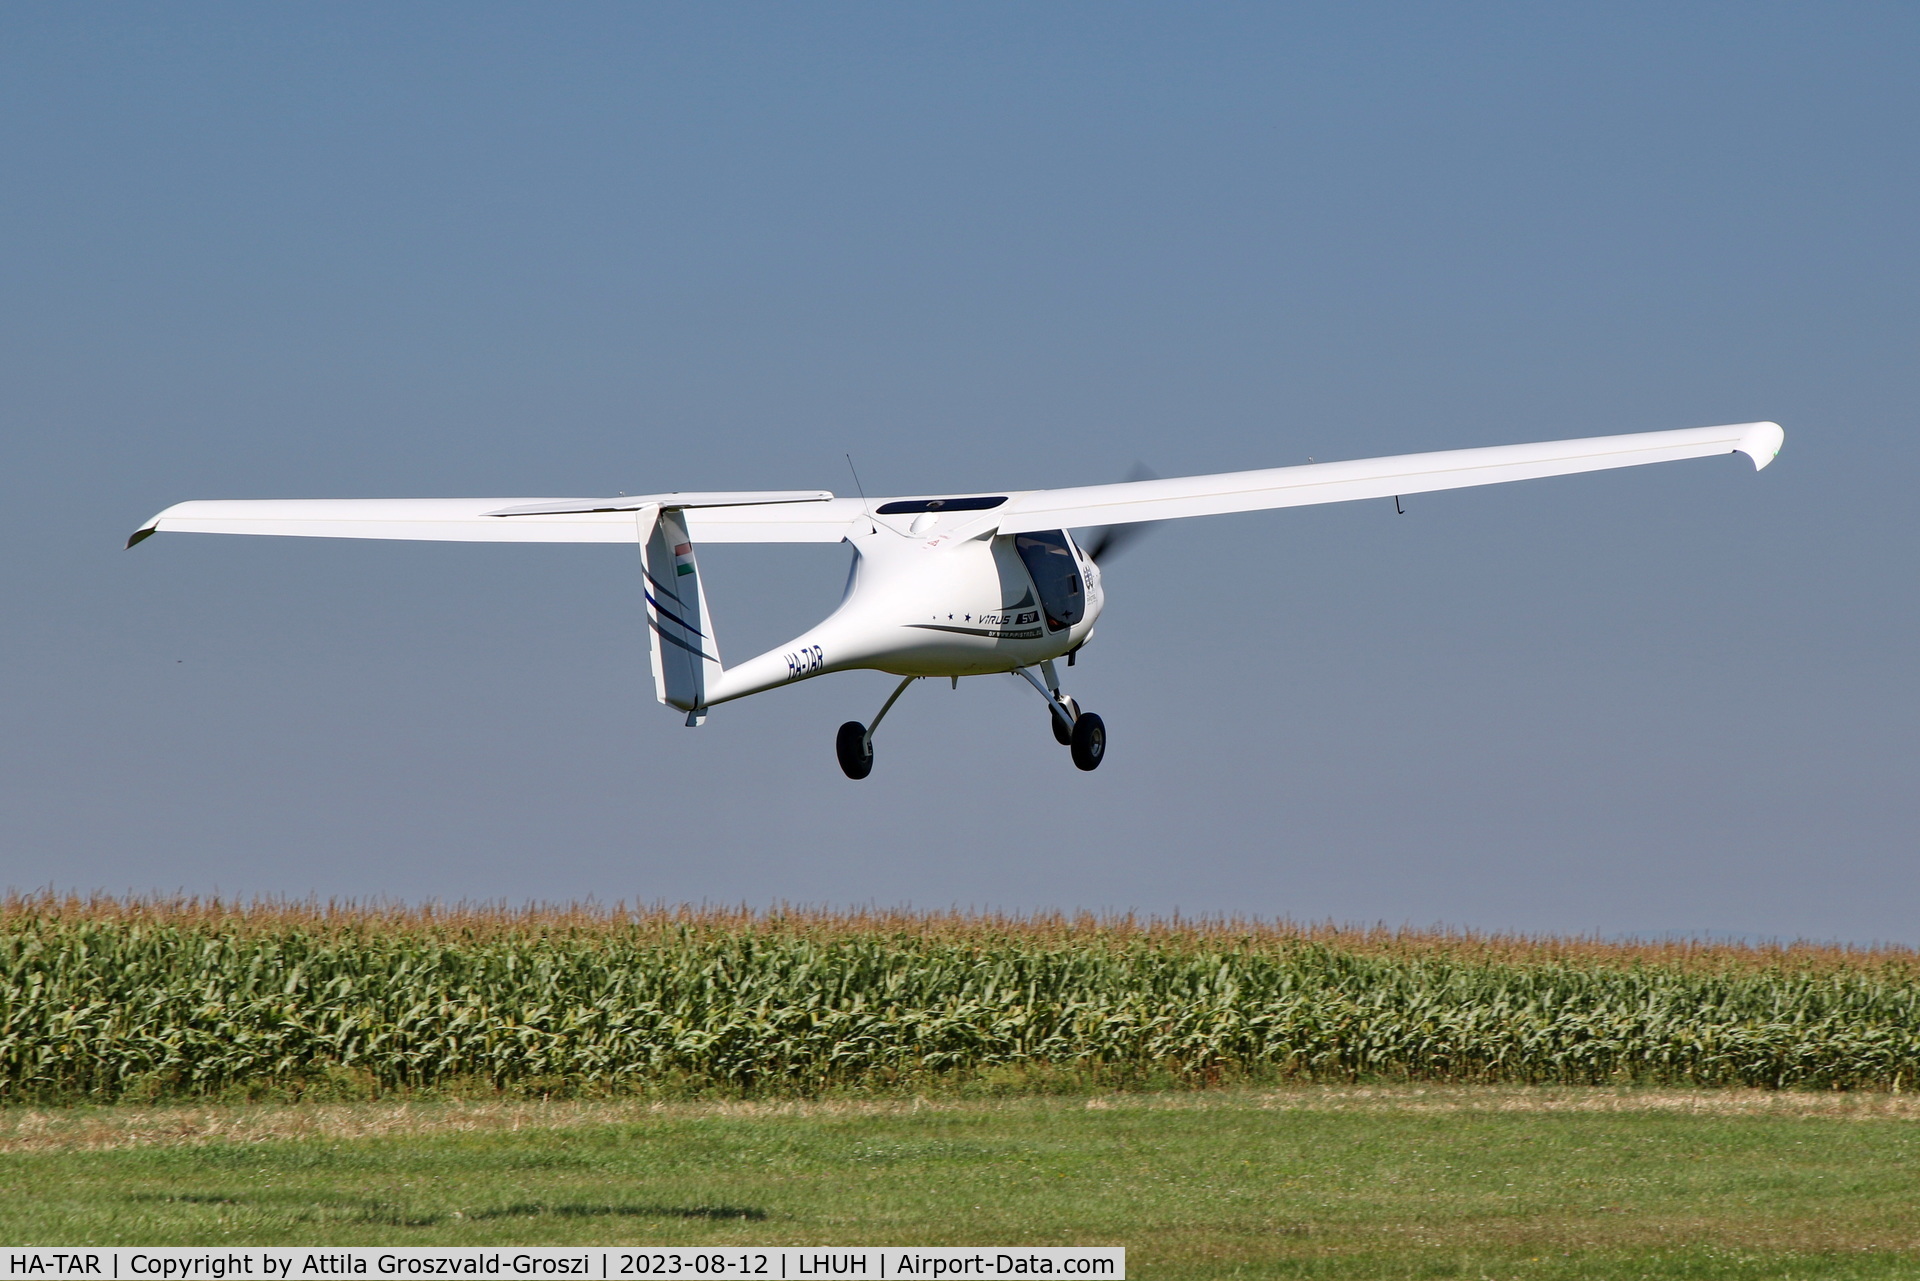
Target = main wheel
(853,749)
(1063,731)
(1089,741)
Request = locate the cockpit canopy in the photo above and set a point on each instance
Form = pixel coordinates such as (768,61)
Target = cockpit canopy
(1056,576)
(912,506)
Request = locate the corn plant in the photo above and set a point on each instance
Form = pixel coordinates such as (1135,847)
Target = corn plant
(110,999)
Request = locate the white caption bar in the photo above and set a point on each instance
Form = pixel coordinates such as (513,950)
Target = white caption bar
(838,1263)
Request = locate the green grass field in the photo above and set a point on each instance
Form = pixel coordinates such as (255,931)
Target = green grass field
(1314,1181)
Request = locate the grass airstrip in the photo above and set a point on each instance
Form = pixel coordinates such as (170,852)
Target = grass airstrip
(1309,1182)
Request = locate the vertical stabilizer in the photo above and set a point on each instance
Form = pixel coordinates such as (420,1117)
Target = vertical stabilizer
(686,660)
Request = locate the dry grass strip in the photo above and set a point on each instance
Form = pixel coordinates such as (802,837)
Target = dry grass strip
(105,1128)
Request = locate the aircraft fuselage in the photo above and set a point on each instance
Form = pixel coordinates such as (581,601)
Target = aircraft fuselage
(919,603)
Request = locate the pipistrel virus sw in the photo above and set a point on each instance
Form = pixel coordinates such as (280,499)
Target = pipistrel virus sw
(952,585)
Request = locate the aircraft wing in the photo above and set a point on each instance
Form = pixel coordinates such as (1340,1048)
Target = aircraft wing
(815,516)
(806,516)
(1241,491)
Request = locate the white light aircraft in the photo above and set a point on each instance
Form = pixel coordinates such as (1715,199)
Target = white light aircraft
(955,585)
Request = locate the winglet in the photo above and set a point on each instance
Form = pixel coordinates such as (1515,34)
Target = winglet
(145,532)
(1761,442)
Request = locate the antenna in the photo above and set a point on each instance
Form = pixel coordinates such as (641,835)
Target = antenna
(856,481)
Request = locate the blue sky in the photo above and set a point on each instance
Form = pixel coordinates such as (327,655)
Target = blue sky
(338,250)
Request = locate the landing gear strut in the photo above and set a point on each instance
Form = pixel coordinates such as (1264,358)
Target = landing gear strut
(854,743)
(1084,732)
(1063,726)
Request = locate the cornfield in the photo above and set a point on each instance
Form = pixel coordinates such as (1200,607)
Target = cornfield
(104,999)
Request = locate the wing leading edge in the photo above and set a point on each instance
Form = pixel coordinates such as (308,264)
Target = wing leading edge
(808,517)
(815,516)
(1374,477)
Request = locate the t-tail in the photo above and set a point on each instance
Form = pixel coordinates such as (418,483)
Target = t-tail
(686,658)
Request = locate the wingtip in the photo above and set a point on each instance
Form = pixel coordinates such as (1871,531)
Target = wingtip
(141,534)
(1761,442)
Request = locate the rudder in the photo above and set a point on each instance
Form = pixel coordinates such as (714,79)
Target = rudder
(686,659)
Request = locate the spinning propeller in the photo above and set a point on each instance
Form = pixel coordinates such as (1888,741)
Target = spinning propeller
(1105,540)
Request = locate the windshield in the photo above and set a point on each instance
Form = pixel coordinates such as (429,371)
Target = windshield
(1056,576)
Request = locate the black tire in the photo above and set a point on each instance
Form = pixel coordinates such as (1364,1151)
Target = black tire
(854,751)
(1062,730)
(1089,741)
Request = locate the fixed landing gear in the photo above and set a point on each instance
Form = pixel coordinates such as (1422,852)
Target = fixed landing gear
(855,750)
(1089,741)
(854,743)
(1063,725)
(1084,732)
